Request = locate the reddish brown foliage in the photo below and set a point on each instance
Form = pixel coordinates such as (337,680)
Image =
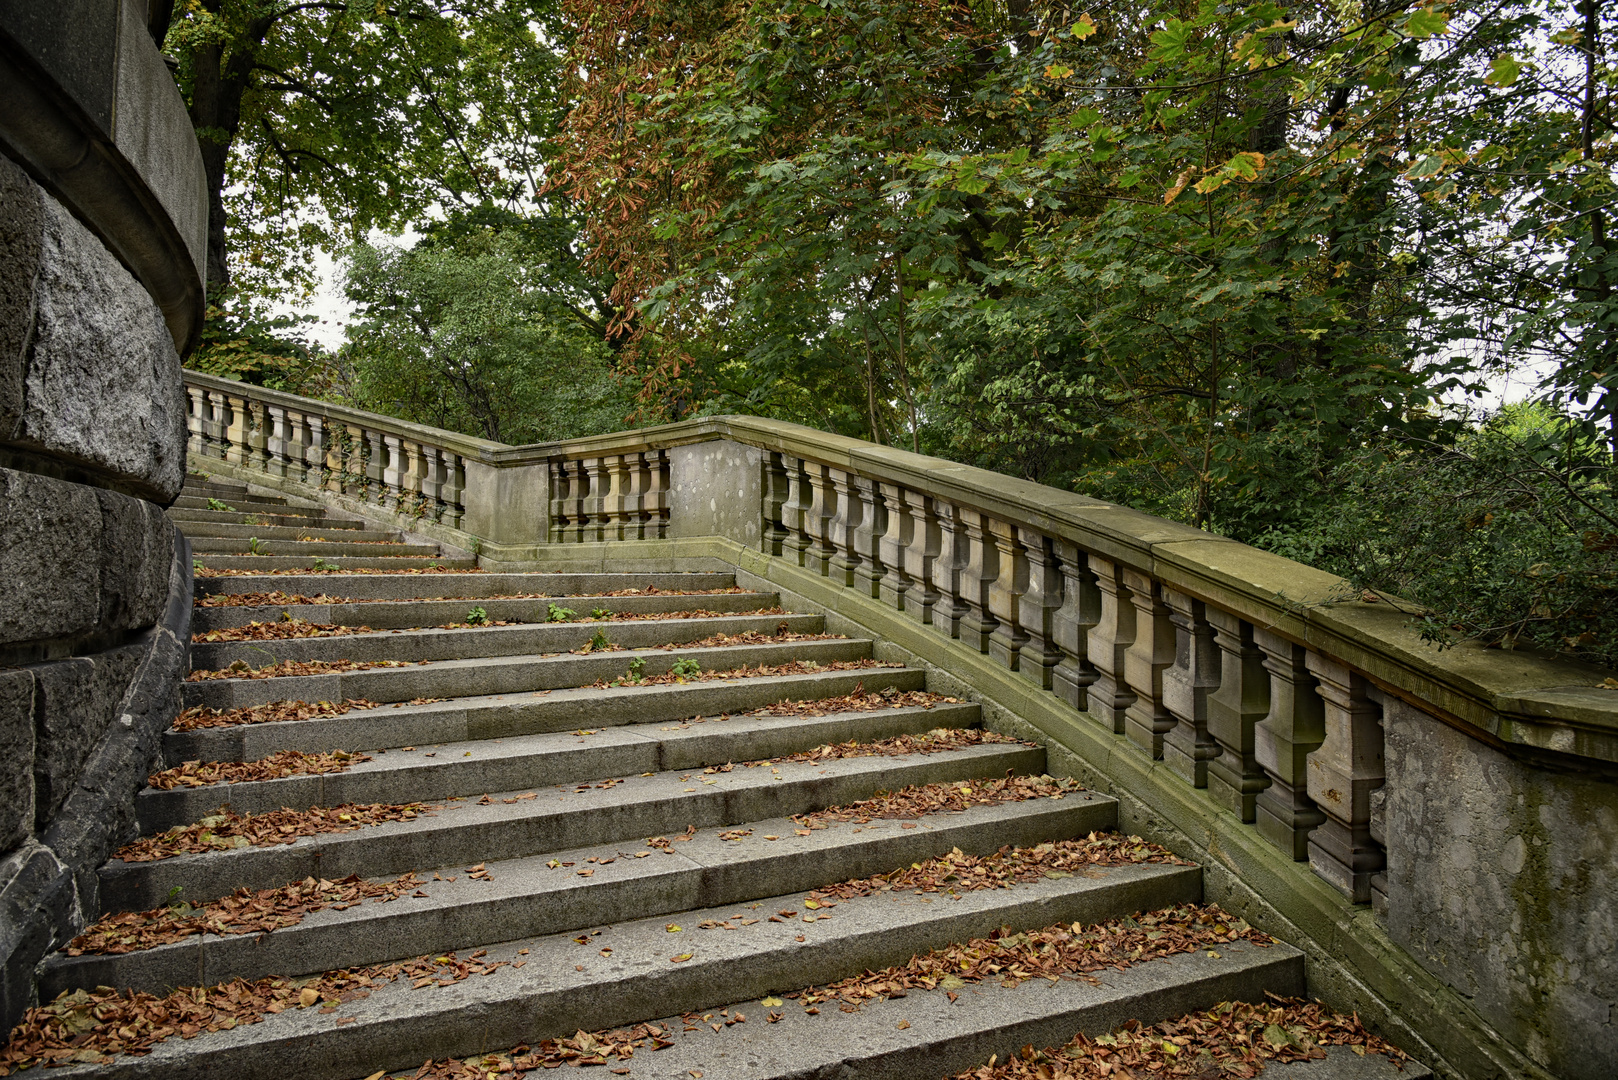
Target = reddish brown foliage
(922,799)
(201,716)
(286,668)
(283,763)
(282,630)
(227,829)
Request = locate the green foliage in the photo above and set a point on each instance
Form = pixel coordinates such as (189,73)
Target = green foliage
(220,505)
(477,617)
(637,670)
(1509,535)
(598,641)
(557,613)
(686,668)
(600,613)
(255,546)
(468,338)
(322,564)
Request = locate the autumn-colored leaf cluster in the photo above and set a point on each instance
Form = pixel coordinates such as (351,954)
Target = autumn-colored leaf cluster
(1235,1039)
(92,1026)
(860,700)
(582,1049)
(275,712)
(932,742)
(228,829)
(289,668)
(281,630)
(309,571)
(791,667)
(1056,952)
(267,599)
(243,912)
(960,872)
(922,799)
(750,637)
(281,764)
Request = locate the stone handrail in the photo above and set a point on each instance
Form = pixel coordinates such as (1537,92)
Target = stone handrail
(1245,673)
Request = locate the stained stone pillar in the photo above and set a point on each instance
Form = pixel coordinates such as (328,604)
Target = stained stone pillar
(1007,592)
(1108,647)
(1342,773)
(1188,746)
(1080,610)
(1243,699)
(899,513)
(1282,742)
(1151,653)
(977,579)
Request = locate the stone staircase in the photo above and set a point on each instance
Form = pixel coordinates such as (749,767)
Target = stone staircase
(544,806)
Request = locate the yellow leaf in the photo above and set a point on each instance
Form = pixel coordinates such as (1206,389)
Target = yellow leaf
(810,904)
(672,928)
(1084,27)
(308,996)
(682,958)
(771,1002)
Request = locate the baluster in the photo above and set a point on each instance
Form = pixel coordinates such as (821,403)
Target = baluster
(773,492)
(1109,641)
(637,525)
(411,479)
(817,522)
(848,513)
(949,569)
(432,482)
(1006,591)
(315,453)
(454,489)
(1282,741)
(658,493)
(196,421)
(276,445)
(595,500)
(560,513)
(578,520)
(1071,623)
(1149,655)
(1342,773)
(900,527)
(794,512)
(1243,699)
(977,578)
(866,540)
(1187,683)
(921,555)
(216,424)
(393,473)
(1041,600)
(376,467)
(257,436)
(620,470)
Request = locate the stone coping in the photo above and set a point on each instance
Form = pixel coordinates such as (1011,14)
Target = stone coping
(93,114)
(1528,702)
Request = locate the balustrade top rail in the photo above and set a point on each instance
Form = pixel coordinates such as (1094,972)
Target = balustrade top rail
(1511,699)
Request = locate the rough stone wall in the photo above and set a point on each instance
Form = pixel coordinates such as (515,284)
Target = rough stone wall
(95,612)
(1500,883)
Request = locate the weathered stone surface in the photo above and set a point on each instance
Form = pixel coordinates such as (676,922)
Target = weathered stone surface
(75,702)
(22,225)
(16,757)
(137,550)
(716,486)
(1500,883)
(88,373)
(36,914)
(50,557)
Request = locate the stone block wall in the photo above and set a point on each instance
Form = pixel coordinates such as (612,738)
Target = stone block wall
(95,582)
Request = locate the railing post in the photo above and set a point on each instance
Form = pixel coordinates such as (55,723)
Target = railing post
(214,424)
(657,493)
(1071,623)
(257,436)
(773,497)
(1243,699)
(921,557)
(850,511)
(393,473)
(1007,591)
(1108,647)
(454,490)
(794,512)
(1188,747)
(196,422)
(866,539)
(1041,600)
(1342,773)
(1150,654)
(900,518)
(315,453)
(949,571)
(817,522)
(278,440)
(976,578)
(1282,742)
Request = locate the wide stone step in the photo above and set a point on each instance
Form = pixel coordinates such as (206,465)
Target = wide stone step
(306,549)
(556,819)
(440,771)
(248,504)
(401,614)
(295,518)
(197,530)
(492,641)
(530,898)
(505,675)
(564,987)
(217,490)
(343,562)
(496,716)
(469,586)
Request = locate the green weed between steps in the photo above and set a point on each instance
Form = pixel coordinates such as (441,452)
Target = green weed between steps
(477,617)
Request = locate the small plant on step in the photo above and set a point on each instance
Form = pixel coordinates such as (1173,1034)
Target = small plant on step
(557,613)
(255,546)
(598,641)
(221,505)
(477,617)
(686,667)
(322,564)
(600,613)
(637,670)
(196,566)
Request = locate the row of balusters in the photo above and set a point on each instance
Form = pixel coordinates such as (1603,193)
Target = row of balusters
(614,497)
(1286,738)
(394,472)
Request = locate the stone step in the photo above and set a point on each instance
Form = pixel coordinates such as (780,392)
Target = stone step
(220,489)
(249,506)
(294,519)
(348,533)
(527,898)
(505,675)
(307,549)
(446,770)
(469,586)
(635,808)
(499,717)
(398,615)
(493,641)
(397,1027)
(343,562)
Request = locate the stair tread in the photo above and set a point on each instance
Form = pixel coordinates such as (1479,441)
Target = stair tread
(399,614)
(471,586)
(528,897)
